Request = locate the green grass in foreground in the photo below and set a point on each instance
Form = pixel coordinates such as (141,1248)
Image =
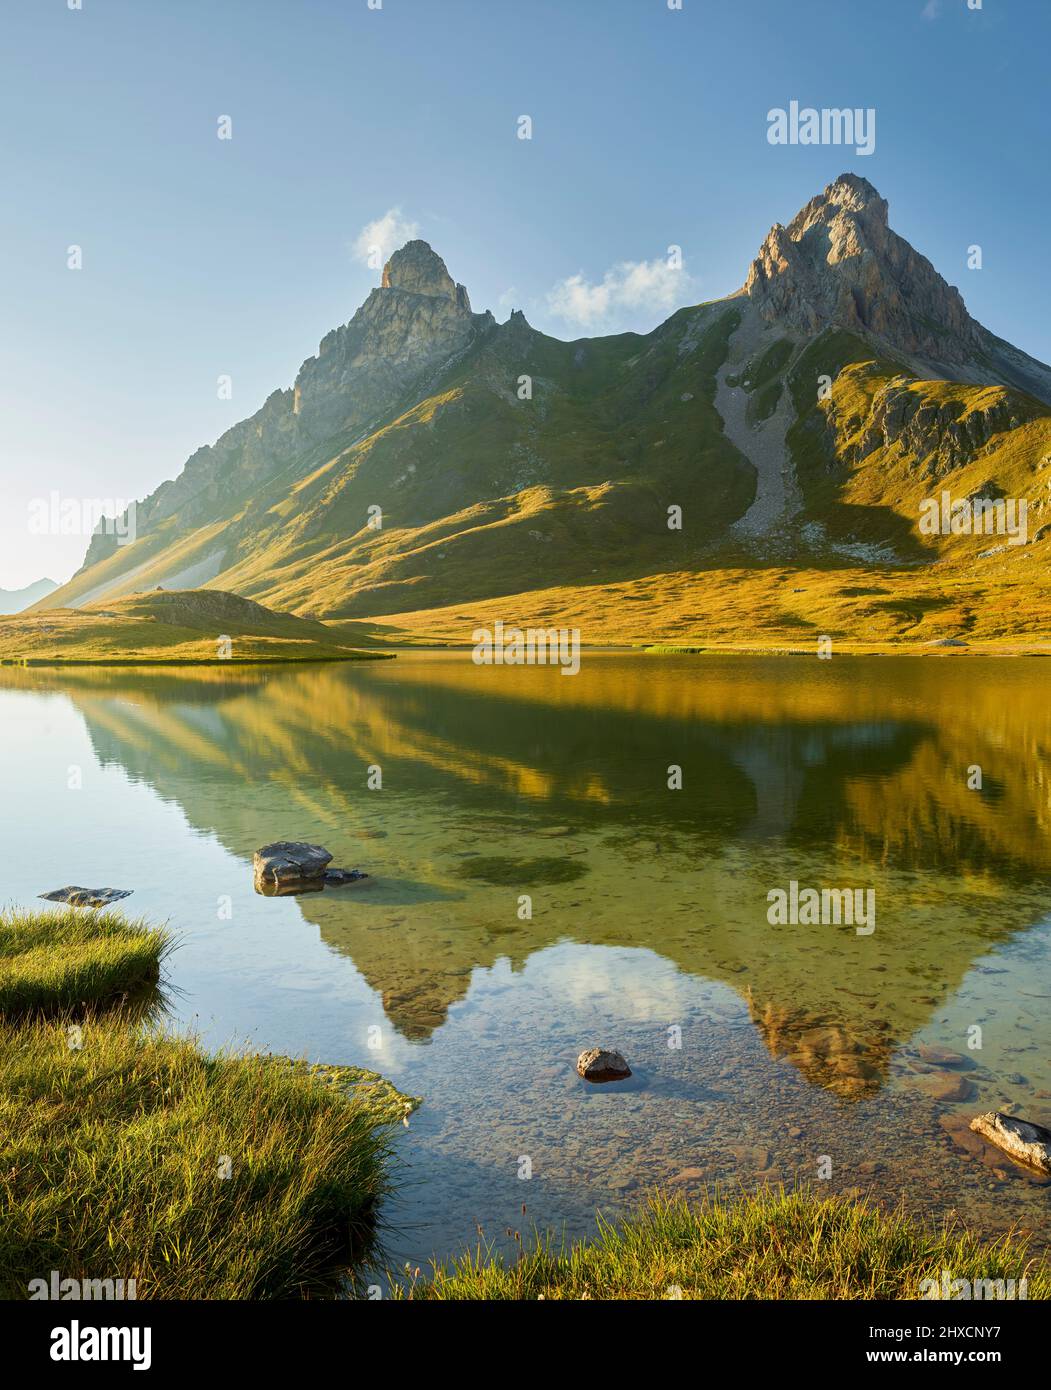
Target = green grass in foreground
(770,1245)
(114,1138)
(71,958)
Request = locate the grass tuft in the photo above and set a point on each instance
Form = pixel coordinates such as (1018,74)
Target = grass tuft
(768,1245)
(75,958)
(127,1153)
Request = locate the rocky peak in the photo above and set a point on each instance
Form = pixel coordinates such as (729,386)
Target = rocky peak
(414,322)
(839,263)
(417,269)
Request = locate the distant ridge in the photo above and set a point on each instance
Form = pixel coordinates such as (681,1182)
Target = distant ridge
(15,600)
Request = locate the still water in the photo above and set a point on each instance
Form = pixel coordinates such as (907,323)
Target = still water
(761,1054)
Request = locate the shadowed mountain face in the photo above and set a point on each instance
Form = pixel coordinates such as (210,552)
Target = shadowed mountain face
(491,788)
(429,456)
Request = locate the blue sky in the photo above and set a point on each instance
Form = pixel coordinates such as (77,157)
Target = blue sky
(204,257)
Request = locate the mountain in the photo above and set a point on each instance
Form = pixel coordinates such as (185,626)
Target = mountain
(429,463)
(14,600)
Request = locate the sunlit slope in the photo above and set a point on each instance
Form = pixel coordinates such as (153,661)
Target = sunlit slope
(882,441)
(853,563)
(193,626)
(481,491)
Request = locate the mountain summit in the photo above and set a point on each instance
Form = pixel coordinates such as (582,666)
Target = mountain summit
(417,269)
(428,457)
(839,263)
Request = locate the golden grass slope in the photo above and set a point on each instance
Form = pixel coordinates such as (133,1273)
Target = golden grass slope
(203,626)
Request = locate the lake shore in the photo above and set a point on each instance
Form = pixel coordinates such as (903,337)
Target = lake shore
(132,1156)
(139,1162)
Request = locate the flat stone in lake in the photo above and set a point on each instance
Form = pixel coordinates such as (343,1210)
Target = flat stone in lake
(87,897)
(286,861)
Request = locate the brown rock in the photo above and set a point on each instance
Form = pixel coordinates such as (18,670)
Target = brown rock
(690,1175)
(942,1056)
(599,1064)
(1025,1142)
(945,1086)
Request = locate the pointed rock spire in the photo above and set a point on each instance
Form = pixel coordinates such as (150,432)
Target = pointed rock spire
(417,269)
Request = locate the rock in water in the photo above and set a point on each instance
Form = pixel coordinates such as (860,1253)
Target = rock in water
(87,897)
(945,1086)
(336,878)
(1024,1141)
(290,861)
(599,1065)
(943,1056)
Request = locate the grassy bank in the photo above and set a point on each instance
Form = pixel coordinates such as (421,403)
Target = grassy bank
(53,961)
(764,1246)
(129,1154)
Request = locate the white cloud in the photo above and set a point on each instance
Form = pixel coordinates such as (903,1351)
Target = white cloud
(630,293)
(377,241)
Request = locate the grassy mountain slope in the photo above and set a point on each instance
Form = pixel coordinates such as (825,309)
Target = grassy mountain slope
(170,627)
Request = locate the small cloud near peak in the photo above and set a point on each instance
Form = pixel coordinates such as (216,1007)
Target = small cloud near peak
(378,240)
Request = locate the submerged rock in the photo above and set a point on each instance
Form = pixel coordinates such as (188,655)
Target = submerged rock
(943,1056)
(87,897)
(336,878)
(1024,1141)
(945,1086)
(597,1064)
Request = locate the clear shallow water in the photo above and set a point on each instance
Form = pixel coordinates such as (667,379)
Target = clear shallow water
(796,1041)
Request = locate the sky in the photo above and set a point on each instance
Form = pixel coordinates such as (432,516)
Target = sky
(354,123)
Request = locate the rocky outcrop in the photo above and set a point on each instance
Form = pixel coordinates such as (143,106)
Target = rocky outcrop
(838,263)
(1022,1140)
(286,861)
(293,866)
(940,434)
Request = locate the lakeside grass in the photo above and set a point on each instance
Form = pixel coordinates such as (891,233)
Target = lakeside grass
(114,1136)
(767,1245)
(75,958)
